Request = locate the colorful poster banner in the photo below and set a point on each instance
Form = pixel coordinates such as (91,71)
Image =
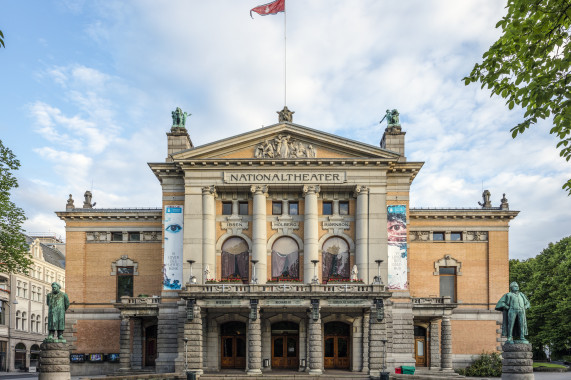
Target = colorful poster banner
(397,265)
(172,266)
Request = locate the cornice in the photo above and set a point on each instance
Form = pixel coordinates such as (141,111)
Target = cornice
(150,214)
(461,213)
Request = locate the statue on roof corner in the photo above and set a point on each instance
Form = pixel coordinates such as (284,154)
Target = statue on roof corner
(392,118)
(486,199)
(179,118)
(285,115)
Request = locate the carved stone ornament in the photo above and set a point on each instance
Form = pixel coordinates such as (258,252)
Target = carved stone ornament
(309,189)
(486,203)
(419,235)
(259,189)
(360,190)
(477,236)
(70,205)
(447,261)
(285,115)
(209,190)
(284,146)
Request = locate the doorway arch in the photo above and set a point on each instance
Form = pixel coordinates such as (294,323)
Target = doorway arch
(233,345)
(285,345)
(336,346)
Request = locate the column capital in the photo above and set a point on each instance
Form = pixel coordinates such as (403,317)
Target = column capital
(360,190)
(311,189)
(259,190)
(209,190)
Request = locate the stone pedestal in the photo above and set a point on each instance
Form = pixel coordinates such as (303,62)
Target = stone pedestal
(517,363)
(54,361)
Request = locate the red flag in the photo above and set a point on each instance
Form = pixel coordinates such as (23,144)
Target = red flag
(269,8)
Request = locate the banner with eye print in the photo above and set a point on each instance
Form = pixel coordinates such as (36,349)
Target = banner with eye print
(397,260)
(172,266)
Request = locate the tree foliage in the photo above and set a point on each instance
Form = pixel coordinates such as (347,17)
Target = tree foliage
(546,281)
(14,256)
(529,66)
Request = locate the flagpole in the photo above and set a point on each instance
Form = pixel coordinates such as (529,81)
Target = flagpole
(285,55)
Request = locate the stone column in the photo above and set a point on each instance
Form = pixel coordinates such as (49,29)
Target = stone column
(259,232)
(377,333)
(446,345)
(310,230)
(209,229)
(315,337)
(137,356)
(434,344)
(254,344)
(366,323)
(362,232)
(193,332)
(517,363)
(125,344)
(54,361)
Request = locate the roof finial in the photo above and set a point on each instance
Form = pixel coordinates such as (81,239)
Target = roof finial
(285,115)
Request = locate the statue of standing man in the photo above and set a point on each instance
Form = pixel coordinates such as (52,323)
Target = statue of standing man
(513,306)
(58,303)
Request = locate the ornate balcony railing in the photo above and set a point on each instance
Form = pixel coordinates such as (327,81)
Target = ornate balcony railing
(141,300)
(269,289)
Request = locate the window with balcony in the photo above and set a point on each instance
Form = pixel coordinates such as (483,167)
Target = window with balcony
(124,282)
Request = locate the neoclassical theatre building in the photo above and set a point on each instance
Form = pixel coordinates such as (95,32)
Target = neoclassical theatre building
(284,248)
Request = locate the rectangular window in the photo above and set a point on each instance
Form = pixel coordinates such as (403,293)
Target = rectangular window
(456,236)
(344,208)
(438,236)
(117,236)
(276,208)
(448,282)
(294,208)
(226,208)
(243,208)
(327,208)
(124,282)
(134,236)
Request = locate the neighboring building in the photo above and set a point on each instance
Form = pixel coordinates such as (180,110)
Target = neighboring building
(23,312)
(284,247)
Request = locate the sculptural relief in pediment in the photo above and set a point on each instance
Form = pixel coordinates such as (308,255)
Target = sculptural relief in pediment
(284,146)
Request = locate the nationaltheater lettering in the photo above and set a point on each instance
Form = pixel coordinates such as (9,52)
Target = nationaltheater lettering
(338,177)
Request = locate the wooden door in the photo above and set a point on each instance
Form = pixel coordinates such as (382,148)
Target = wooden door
(285,351)
(150,346)
(336,352)
(420,351)
(233,352)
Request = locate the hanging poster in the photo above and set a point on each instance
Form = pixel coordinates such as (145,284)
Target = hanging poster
(396,229)
(172,266)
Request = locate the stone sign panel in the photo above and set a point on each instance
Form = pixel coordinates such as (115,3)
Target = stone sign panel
(338,225)
(348,302)
(285,177)
(285,224)
(230,225)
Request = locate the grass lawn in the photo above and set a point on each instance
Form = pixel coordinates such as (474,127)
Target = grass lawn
(535,365)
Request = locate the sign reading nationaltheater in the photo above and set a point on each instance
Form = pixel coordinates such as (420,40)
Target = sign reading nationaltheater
(285,177)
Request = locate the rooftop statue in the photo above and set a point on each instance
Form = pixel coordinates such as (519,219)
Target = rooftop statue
(285,115)
(87,203)
(392,117)
(513,306)
(58,303)
(486,199)
(179,118)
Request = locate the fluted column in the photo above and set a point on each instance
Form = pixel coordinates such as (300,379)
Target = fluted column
(259,233)
(193,332)
(254,344)
(434,344)
(362,232)
(310,230)
(446,345)
(125,344)
(315,346)
(209,228)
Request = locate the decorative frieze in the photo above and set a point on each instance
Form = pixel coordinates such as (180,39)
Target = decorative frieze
(284,147)
(470,236)
(477,236)
(106,237)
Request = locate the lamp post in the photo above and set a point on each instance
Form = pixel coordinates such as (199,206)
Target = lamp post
(254,279)
(191,279)
(377,279)
(315,279)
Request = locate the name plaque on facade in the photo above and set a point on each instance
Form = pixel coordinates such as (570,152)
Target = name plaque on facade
(228,225)
(285,302)
(340,225)
(225,302)
(349,301)
(285,224)
(285,177)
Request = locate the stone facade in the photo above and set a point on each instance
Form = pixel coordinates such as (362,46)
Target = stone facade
(288,261)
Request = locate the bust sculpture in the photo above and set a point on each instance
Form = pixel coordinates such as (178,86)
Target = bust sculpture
(58,303)
(513,306)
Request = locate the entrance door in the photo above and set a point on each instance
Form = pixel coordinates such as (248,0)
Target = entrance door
(285,351)
(420,351)
(233,352)
(336,345)
(150,345)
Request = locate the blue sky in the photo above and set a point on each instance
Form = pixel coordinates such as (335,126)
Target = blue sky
(87,88)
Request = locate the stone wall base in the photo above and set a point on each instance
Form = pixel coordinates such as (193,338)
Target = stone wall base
(54,361)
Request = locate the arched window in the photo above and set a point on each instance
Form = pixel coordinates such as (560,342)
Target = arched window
(335,259)
(20,356)
(235,258)
(285,258)
(24,321)
(18,320)
(32,322)
(38,324)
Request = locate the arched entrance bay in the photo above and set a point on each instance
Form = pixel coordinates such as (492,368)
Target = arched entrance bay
(285,345)
(336,347)
(233,345)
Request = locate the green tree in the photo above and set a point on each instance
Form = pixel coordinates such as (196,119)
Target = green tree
(529,66)
(14,256)
(546,280)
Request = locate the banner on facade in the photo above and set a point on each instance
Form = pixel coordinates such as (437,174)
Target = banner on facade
(172,266)
(396,229)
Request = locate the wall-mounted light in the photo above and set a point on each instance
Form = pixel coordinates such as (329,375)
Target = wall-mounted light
(190,309)
(315,309)
(253,310)
(380,308)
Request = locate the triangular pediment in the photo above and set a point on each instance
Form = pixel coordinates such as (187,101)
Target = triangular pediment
(285,141)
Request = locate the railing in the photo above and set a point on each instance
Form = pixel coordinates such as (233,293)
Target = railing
(141,300)
(283,288)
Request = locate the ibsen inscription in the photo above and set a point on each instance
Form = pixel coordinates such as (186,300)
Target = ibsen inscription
(239,224)
(285,177)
